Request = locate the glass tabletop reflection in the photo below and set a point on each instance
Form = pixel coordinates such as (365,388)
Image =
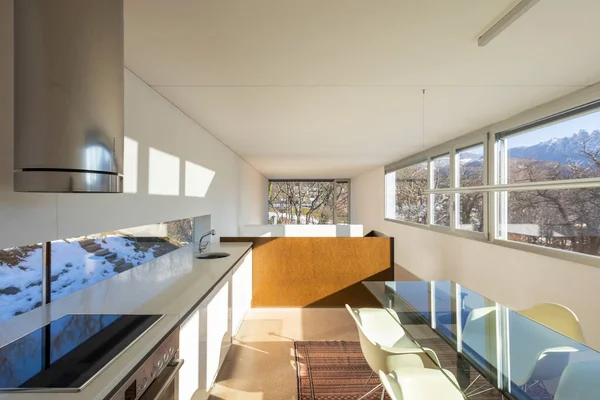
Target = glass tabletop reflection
(520,357)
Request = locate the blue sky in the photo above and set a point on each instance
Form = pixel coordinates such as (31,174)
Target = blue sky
(589,122)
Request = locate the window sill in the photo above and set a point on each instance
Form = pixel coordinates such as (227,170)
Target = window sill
(530,248)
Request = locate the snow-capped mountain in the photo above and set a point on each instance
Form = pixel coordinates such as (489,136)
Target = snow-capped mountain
(471,159)
(556,149)
(560,149)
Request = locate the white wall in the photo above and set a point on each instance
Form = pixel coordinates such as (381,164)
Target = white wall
(236,196)
(515,278)
(367,200)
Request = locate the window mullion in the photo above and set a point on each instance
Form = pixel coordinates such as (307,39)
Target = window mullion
(487,163)
(491,180)
(430,197)
(453,184)
(334,202)
(502,197)
(46,271)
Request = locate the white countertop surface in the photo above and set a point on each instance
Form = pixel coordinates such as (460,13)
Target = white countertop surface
(171,284)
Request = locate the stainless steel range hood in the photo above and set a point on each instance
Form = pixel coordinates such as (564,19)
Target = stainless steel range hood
(69,104)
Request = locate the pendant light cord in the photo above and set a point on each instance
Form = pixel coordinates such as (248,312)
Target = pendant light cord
(423,122)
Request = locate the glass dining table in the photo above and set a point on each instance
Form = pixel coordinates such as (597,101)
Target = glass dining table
(489,347)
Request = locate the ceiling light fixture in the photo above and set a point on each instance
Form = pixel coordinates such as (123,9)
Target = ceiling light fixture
(505,21)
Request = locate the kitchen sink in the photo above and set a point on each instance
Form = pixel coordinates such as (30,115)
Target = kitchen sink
(210,256)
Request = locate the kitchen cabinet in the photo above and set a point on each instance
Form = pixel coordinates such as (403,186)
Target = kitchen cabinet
(241,292)
(206,334)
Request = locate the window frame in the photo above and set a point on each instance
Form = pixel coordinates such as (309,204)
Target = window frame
(431,196)
(428,174)
(580,103)
(398,166)
(450,148)
(502,189)
(334,180)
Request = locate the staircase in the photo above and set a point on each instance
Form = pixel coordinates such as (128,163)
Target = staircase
(119,264)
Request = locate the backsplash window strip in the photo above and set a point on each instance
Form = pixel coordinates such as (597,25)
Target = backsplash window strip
(83,261)
(76,263)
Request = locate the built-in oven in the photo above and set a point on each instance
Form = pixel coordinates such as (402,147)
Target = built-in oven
(157,377)
(165,385)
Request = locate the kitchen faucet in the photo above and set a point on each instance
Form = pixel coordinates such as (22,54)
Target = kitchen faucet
(202,247)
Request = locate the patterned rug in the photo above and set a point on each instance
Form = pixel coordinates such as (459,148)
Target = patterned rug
(333,371)
(338,371)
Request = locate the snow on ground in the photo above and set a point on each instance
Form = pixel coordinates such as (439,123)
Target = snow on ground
(27,280)
(73,268)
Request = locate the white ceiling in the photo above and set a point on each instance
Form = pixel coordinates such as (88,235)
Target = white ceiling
(332,88)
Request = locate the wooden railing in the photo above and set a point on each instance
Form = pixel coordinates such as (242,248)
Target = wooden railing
(317,272)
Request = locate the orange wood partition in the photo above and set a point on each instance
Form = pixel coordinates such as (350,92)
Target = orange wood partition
(317,271)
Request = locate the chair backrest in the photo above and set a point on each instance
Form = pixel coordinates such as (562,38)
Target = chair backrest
(377,328)
(536,351)
(379,325)
(557,317)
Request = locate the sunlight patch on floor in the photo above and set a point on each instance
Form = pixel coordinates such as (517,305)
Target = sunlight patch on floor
(261,363)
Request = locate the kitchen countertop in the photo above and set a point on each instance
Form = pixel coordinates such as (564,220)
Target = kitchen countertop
(171,284)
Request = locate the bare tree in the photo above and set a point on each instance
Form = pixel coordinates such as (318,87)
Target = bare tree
(302,202)
(411,197)
(568,218)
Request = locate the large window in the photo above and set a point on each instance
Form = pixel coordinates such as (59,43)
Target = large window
(447,200)
(537,188)
(409,195)
(76,263)
(537,211)
(318,202)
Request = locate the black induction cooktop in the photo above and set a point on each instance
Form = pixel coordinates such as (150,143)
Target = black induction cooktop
(67,353)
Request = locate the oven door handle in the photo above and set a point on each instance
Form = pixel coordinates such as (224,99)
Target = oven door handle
(174,366)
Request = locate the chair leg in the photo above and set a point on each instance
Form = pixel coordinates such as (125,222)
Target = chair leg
(382,393)
(368,380)
(370,391)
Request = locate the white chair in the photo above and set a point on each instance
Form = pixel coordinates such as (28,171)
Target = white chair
(579,381)
(420,384)
(550,355)
(537,353)
(385,345)
(557,317)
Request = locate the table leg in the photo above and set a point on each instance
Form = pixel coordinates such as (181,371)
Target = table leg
(463,371)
